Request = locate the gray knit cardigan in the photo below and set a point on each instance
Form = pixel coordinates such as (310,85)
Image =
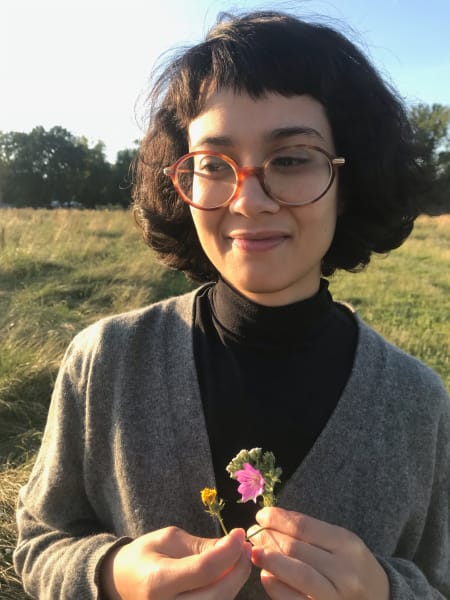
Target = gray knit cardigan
(126,451)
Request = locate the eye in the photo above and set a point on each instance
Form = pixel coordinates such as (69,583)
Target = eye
(287,161)
(213,166)
(297,160)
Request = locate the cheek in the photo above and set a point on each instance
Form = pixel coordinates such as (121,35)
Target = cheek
(316,229)
(318,218)
(207,226)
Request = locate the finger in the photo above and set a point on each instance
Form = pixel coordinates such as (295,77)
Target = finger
(212,563)
(253,531)
(174,542)
(321,560)
(294,573)
(303,527)
(226,587)
(277,590)
(260,535)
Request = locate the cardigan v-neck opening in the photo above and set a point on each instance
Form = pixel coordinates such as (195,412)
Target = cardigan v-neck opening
(258,390)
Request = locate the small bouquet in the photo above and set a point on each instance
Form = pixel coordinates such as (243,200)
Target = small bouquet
(257,475)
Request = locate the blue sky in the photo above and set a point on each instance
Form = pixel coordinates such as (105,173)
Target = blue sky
(84,64)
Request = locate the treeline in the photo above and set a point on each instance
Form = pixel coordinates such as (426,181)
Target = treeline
(431,126)
(54,168)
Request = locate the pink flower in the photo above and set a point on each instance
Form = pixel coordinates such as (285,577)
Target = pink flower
(252,483)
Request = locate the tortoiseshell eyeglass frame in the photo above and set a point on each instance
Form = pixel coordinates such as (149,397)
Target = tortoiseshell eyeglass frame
(242,173)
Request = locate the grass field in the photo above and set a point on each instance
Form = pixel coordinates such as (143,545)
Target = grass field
(60,270)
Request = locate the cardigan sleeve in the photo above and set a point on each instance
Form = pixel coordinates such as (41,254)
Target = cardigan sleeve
(108,438)
(427,576)
(61,540)
(407,582)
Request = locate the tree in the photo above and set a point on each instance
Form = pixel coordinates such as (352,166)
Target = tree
(432,137)
(22,173)
(42,167)
(94,179)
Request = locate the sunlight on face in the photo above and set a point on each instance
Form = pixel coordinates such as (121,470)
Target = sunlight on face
(271,253)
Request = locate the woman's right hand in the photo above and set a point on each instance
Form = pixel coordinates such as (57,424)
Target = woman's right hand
(169,563)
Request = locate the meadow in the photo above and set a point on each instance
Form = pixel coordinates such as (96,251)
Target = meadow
(60,270)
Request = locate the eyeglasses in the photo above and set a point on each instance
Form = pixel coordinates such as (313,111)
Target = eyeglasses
(292,175)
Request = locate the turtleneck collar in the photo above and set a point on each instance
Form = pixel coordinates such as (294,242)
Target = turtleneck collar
(243,321)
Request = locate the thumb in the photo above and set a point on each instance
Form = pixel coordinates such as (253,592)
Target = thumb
(210,560)
(234,539)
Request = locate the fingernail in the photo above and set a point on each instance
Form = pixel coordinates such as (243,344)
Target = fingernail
(257,554)
(261,515)
(239,534)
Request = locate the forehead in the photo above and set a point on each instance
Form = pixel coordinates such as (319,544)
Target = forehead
(239,118)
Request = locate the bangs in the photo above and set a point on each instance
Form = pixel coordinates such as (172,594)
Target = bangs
(270,52)
(249,63)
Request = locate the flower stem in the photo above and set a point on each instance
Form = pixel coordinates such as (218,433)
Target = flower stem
(219,518)
(254,533)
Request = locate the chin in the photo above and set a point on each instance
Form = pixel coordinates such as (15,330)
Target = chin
(265,293)
(260,285)
(266,290)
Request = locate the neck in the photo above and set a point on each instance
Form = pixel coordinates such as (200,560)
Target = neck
(281,297)
(258,325)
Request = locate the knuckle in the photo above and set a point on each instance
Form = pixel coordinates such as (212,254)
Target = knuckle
(352,586)
(269,581)
(170,534)
(288,546)
(355,545)
(350,578)
(301,526)
(305,577)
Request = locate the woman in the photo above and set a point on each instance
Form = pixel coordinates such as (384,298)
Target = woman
(275,155)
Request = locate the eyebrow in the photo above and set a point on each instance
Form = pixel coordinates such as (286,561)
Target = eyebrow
(276,134)
(285,132)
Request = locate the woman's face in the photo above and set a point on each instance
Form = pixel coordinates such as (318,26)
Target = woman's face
(270,253)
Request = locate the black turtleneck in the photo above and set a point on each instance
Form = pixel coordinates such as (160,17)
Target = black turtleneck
(269,377)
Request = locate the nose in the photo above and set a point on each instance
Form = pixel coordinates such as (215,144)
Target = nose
(251,197)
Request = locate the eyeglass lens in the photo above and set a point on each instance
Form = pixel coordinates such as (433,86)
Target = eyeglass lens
(296,175)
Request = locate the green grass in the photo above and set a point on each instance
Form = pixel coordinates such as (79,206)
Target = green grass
(406,295)
(60,270)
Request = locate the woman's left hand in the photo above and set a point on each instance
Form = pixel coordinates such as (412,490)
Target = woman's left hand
(302,557)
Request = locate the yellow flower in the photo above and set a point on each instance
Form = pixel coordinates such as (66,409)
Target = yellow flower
(209,496)
(213,505)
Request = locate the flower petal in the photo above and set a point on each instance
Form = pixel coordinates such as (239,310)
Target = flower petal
(251,482)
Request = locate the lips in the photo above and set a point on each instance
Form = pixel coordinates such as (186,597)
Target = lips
(257,241)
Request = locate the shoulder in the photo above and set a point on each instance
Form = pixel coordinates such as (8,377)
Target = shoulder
(405,400)
(395,360)
(178,308)
(134,331)
(398,375)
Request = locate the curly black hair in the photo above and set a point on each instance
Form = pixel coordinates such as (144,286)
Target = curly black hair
(260,52)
